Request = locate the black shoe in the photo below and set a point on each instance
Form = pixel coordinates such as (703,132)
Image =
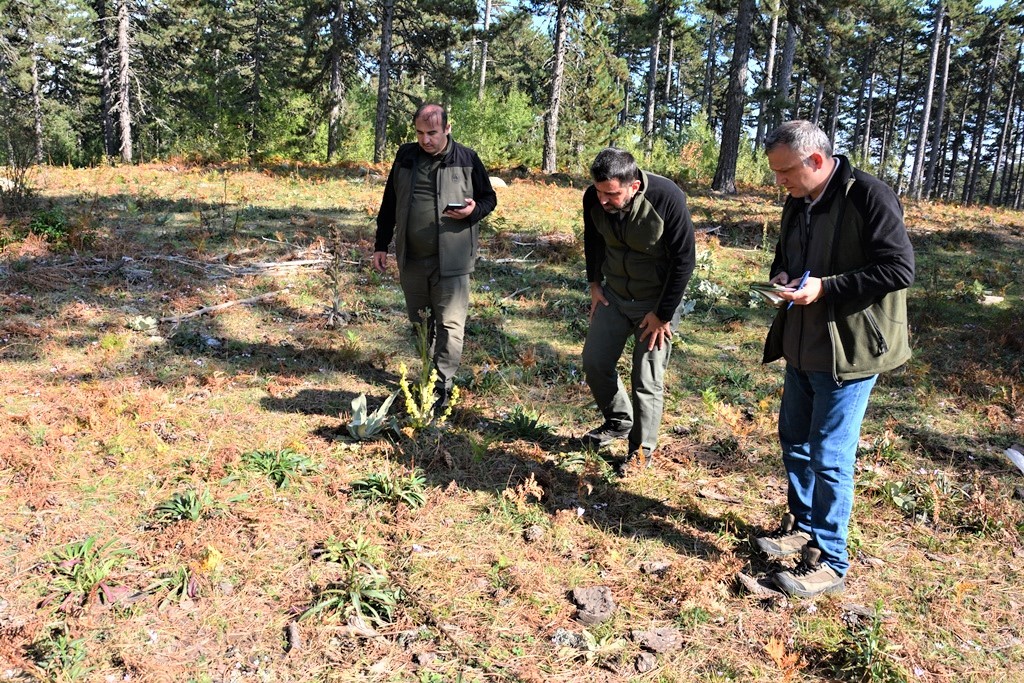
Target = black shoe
(605,434)
(638,459)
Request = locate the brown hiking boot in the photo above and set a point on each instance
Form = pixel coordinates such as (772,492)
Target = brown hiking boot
(788,540)
(810,577)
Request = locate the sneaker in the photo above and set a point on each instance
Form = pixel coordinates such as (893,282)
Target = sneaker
(638,459)
(788,540)
(605,434)
(810,577)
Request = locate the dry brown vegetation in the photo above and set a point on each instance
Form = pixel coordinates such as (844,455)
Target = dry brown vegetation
(114,425)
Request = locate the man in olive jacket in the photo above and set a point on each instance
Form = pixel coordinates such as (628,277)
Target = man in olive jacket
(846,260)
(639,247)
(436,194)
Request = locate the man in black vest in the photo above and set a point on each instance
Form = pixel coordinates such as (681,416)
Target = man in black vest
(846,260)
(436,194)
(639,246)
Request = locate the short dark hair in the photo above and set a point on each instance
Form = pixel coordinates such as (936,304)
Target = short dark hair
(614,163)
(803,137)
(426,110)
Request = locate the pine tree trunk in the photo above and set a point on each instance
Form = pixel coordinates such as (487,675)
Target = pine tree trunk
(558,73)
(337,89)
(890,134)
(980,122)
(706,96)
(103,64)
(958,142)
(37,109)
(725,174)
(783,106)
(124,79)
(482,87)
(865,145)
(1004,131)
(668,82)
(819,93)
(763,113)
(940,111)
(926,107)
(380,125)
(652,84)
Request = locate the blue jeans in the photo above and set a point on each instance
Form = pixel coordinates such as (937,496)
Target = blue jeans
(819,429)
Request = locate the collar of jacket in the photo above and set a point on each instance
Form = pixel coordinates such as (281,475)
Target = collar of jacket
(840,179)
(634,203)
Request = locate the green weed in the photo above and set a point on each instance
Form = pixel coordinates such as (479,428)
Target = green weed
(366,595)
(81,571)
(183,505)
(176,585)
(867,655)
(281,466)
(50,224)
(524,423)
(60,656)
(420,396)
(393,488)
(351,552)
(367,425)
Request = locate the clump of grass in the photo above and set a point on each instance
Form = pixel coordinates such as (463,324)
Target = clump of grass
(189,504)
(176,586)
(866,653)
(280,466)
(524,423)
(349,552)
(392,487)
(60,656)
(365,595)
(81,570)
(364,591)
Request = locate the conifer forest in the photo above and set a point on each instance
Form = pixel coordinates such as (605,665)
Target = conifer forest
(926,95)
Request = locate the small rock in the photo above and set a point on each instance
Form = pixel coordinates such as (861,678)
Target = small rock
(565,638)
(658,639)
(655,567)
(1018,493)
(645,662)
(293,636)
(759,587)
(533,533)
(424,658)
(497,182)
(595,604)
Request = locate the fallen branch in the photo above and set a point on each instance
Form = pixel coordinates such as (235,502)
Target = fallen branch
(514,294)
(219,307)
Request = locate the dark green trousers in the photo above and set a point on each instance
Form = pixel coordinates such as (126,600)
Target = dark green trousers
(640,410)
(443,303)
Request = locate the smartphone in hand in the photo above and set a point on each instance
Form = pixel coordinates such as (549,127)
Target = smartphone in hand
(455,206)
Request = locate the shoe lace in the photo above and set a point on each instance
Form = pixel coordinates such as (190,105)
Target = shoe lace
(804,568)
(780,533)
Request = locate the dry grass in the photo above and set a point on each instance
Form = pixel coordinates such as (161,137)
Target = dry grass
(106,415)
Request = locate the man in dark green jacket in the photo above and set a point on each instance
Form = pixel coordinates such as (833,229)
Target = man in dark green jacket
(436,194)
(846,260)
(639,246)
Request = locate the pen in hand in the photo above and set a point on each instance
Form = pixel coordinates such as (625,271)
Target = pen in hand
(803,281)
